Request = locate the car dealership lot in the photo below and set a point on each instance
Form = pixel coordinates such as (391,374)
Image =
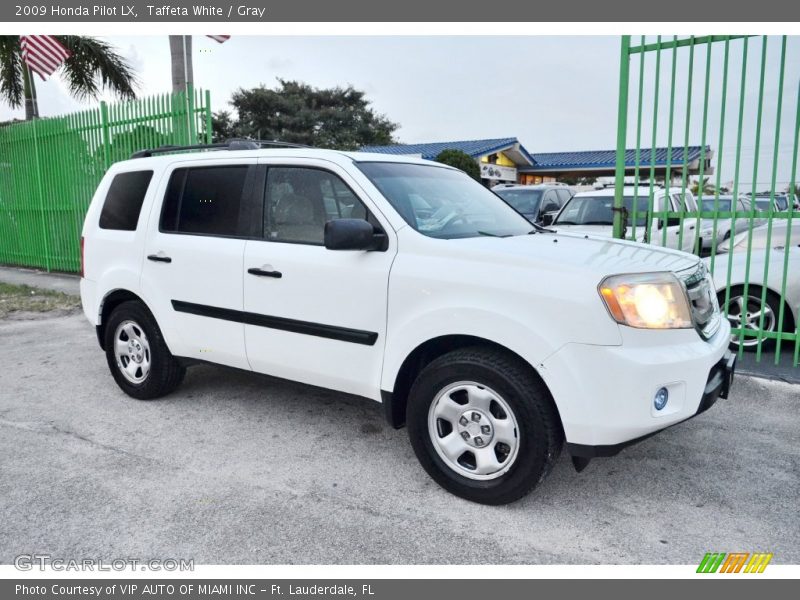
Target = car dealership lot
(240,468)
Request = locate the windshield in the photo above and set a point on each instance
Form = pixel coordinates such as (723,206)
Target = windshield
(525,201)
(443,203)
(596,210)
(708,204)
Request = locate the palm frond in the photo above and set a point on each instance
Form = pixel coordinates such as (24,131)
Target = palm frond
(94,65)
(11,71)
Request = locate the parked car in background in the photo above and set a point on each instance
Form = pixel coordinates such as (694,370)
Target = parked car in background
(592,213)
(535,201)
(725,225)
(406,282)
(746,310)
(758,238)
(763,202)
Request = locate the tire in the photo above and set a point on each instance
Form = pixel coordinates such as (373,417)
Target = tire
(510,398)
(773,307)
(137,355)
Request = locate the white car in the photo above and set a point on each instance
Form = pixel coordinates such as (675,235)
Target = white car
(763,236)
(767,306)
(406,282)
(592,213)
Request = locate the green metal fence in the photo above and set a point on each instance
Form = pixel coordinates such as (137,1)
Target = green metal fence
(49,169)
(741,95)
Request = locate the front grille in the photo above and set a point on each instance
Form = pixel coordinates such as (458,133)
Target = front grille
(703,300)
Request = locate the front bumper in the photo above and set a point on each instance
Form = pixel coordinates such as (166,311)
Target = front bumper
(718,385)
(604,394)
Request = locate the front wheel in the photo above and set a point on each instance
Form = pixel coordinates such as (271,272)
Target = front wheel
(137,354)
(747,313)
(483,425)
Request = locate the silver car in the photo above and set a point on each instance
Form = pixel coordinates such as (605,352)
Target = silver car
(748,311)
(724,225)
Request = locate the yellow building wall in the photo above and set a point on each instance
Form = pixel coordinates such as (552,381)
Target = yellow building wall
(502,160)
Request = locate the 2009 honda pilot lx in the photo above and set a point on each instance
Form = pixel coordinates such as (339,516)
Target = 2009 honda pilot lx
(494,340)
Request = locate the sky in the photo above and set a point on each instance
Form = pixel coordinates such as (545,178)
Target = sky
(554,93)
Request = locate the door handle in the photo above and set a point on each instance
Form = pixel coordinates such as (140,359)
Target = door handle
(159,258)
(262,273)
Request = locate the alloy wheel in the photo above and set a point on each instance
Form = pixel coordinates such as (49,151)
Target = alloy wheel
(747,315)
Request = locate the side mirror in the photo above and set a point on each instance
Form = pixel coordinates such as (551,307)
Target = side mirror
(548,218)
(353,234)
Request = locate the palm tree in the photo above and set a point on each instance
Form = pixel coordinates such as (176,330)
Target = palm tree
(93,65)
(706,189)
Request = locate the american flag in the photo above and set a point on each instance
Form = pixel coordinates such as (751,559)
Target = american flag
(43,53)
(220,38)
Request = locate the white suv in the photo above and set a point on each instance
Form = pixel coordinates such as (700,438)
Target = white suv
(408,283)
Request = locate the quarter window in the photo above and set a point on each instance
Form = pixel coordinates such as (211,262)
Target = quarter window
(299,201)
(124,200)
(211,201)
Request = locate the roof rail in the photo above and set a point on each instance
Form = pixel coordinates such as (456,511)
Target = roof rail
(232,144)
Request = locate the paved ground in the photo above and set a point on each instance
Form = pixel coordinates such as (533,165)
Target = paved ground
(239,468)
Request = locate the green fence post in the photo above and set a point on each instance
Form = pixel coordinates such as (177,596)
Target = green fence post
(40,188)
(209,135)
(622,132)
(106,134)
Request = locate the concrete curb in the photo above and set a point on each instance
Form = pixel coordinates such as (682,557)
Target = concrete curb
(58,282)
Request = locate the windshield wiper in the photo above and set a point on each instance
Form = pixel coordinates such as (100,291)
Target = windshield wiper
(489,234)
(565,223)
(597,223)
(539,229)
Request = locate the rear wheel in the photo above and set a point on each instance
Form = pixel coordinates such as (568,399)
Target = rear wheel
(483,425)
(137,355)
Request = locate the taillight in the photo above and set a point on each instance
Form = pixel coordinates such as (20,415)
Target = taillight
(83,267)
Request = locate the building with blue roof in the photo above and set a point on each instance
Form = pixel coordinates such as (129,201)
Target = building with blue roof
(504,160)
(500,159)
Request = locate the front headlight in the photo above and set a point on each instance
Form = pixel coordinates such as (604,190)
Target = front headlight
(647,301)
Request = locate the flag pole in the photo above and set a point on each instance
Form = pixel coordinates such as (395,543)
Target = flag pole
(32,87)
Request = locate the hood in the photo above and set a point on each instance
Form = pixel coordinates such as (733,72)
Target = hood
(598,230)
(576,252)
(606,231)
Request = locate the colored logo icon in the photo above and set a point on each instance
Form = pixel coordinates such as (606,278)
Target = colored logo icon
(734,562)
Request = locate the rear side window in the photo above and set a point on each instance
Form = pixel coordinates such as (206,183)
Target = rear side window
(124,200)
(210,201)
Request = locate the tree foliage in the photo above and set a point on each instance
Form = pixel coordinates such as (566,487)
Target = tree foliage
(339,117)
(460,160)
(704,188)
(93,65)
